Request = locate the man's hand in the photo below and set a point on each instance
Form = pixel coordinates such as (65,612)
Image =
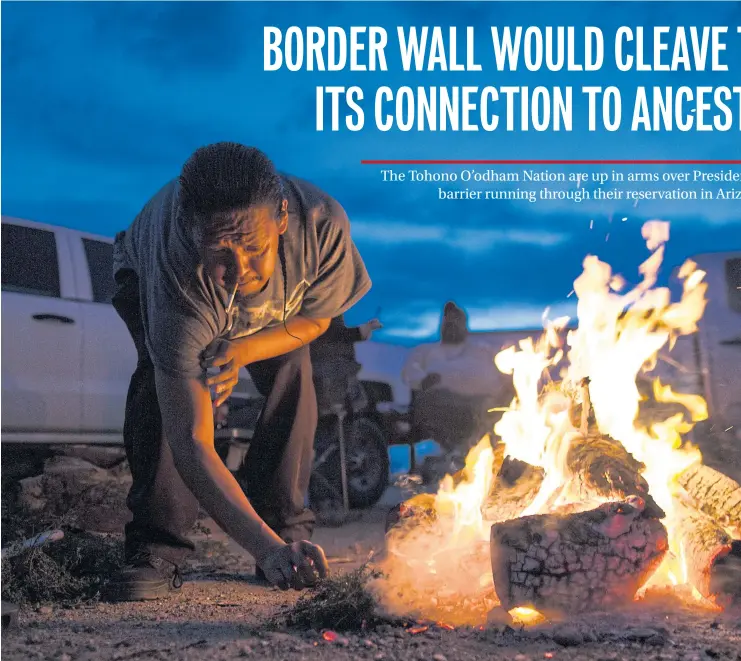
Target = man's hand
(366,329)
(296,565)
(222,354)
(430,381)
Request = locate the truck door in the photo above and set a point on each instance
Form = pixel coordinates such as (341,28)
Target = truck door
(720,338)
(108,354)
(41,332)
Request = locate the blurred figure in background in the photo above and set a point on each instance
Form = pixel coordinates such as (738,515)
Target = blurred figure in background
(338,342)
(454,383)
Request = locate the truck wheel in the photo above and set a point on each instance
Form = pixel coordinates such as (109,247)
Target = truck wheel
(21,462)
(367,461)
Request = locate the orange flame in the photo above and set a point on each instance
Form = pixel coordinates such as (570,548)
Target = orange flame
(442,571)
(618,337)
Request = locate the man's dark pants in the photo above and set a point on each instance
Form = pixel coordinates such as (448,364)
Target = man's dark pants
(278,464)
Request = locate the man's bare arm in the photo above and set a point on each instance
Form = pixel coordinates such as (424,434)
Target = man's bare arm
(188,426)
(276,341)
(230,356)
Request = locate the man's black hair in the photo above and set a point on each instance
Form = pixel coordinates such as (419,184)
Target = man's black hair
(225,177)
(222,179)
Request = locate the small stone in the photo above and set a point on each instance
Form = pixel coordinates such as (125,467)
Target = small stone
(522,657)
(64,657)
(379,657)
(439,657)
(498,616)
(568,637)
(640,634)
(369,643)
(44,610)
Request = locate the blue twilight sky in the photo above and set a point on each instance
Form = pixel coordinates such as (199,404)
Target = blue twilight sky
(102,103)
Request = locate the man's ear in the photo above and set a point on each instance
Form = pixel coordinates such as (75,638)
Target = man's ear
(283,217)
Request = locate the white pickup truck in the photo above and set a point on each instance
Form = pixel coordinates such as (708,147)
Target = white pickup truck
(67,357)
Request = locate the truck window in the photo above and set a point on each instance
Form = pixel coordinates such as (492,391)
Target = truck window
(733,282)
(100,262)
(29,263)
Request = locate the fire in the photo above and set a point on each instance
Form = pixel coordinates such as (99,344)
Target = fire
(618,338)
(464,502)
(443,572)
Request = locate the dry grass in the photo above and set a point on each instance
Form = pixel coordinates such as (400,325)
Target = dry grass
(67,571)
(342,603)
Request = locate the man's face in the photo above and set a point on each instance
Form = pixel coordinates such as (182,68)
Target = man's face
(246,258)
(452,331)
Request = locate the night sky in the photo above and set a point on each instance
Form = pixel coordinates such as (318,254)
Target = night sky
(102,103)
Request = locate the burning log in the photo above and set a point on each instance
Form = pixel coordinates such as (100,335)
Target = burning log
(715,494)
(712,560)
(561,563)
(599,467)
(726,578)
(602,467)
(418,510)
(513,489)
(421,509)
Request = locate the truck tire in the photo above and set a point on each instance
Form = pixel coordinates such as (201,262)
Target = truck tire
(367,460)
(21,462)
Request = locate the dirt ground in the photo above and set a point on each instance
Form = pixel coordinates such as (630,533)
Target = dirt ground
(220,613)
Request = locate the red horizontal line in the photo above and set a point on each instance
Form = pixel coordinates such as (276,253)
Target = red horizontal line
(546,162)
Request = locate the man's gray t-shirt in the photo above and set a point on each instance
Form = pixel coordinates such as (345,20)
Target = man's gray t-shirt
(184,311)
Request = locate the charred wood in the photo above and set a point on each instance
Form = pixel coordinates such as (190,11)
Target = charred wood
(566,563)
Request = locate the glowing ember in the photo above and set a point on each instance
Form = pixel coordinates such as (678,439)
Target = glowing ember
(527,616)
(417,630)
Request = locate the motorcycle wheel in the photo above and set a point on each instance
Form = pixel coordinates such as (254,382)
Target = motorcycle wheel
(367,460)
